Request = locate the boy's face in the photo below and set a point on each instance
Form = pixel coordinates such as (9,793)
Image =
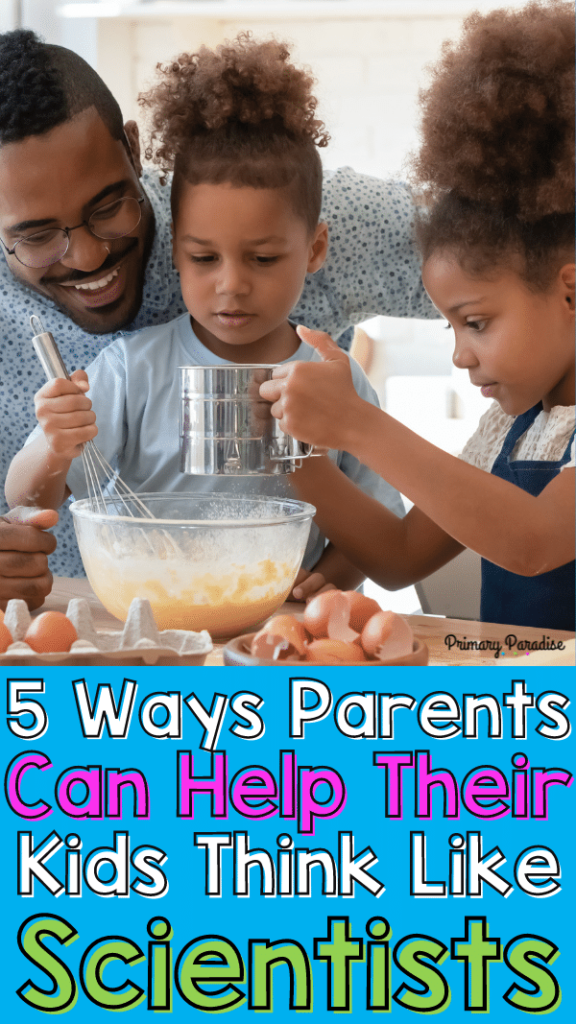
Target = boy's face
(517,345)
(242,255)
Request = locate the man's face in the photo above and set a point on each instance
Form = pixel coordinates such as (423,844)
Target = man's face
(58,180)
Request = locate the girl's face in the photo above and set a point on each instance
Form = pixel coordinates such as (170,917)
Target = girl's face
(242,255)
(517,345)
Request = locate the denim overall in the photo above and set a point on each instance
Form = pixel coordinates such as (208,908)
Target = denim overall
(545,601)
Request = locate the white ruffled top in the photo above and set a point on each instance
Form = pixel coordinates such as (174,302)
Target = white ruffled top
(545,440)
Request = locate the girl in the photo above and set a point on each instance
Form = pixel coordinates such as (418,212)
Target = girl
(497,162)
(238,127)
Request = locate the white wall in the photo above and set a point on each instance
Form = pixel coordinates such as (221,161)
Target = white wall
(369,59)
(368,70)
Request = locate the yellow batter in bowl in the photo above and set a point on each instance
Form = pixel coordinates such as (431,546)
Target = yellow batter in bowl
(225,567)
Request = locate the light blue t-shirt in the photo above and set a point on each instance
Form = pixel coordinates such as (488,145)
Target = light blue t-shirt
(372,268)
(135,393)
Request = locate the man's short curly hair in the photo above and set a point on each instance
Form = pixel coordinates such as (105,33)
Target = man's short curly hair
(496,163)
(42,86)
(240,114)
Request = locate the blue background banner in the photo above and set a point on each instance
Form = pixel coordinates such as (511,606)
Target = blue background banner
(342,851)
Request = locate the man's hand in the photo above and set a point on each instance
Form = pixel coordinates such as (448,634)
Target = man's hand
(315,401)
(24,550)
(307,585)
(65,414)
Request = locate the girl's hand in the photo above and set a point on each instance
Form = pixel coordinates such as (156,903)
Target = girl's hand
(307,585)
(65,414)
(315,402)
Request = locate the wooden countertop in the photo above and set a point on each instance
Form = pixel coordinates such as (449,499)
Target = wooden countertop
(450,641)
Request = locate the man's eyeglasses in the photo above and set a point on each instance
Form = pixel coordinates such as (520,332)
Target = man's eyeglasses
(43,248)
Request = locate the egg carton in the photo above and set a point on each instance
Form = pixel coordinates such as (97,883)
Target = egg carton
(140,642)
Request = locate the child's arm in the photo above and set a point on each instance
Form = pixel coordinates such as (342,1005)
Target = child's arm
(332,570)
(394,552)
(525,534)
(37,475)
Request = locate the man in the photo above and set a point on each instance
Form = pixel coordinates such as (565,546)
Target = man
(86,239)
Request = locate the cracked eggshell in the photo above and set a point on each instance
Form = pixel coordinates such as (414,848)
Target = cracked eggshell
(387,636)
(327,651)
(283,637)
(317,612)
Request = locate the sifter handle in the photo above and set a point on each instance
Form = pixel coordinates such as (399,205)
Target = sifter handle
(47,351)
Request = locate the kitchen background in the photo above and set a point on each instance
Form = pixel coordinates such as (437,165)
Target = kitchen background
(369,58)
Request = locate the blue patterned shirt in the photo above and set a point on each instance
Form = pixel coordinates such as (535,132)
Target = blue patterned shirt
(372,268)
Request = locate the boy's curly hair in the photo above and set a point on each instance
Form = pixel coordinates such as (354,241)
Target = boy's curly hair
(497,155)
(240,114)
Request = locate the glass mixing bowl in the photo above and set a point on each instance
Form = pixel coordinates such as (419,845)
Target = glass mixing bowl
(214,562)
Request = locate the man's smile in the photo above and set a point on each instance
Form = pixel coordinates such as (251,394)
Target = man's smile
(101,288)
(104,291)
(92,285)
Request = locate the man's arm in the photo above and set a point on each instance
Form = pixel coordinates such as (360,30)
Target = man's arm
(24,550)
(373,266)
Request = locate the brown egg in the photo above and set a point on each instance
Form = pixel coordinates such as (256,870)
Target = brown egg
(50,632)
(5,635)
(361,609)
(387,635)
(284,629)
(317,612)
(334,652)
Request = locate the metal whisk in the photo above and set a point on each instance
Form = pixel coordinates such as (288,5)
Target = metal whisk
(115,494)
